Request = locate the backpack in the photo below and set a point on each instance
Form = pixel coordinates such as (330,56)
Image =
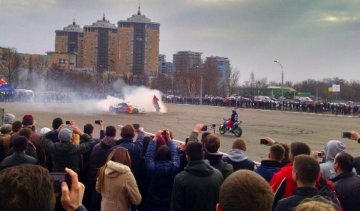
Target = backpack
(328,193)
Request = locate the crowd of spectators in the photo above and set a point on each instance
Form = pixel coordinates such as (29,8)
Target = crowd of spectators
(285,105)
(128,170)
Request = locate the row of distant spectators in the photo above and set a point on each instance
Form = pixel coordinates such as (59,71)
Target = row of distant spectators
(286,105)
(137,172)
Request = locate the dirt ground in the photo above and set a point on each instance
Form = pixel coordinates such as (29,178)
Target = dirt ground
(313,129)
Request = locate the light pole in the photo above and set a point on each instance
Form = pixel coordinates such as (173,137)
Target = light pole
(282,78)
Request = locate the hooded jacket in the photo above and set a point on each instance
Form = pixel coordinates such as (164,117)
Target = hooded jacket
(120,188)
(347,187)
(98,158)
(239,160)
(332,148)
(216,161)
(196,188)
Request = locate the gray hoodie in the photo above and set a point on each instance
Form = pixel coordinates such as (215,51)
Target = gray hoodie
(332,148)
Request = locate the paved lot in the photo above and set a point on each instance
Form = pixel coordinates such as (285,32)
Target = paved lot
(287,127)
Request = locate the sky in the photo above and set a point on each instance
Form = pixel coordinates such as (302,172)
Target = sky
(311,39)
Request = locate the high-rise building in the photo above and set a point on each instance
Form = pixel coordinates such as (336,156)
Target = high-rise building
(70,40)
(100,46)
(164,66)
(187,60)
(222,65)
(138,45)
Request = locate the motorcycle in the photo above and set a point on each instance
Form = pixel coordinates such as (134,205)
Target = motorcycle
(235,129)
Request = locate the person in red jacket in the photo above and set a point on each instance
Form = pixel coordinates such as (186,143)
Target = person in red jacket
(296,148)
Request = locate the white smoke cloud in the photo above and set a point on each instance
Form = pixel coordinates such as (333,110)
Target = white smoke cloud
(140,97)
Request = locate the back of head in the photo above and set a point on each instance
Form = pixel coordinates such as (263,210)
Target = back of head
(20,143)
(345,161)
(6,129)
(239,144)
(23,179)
(44,130)
(127,131)
(9,118)
(25,132)
(287,151)
(299,148)
(194,150)
(332,148)
(245,190)
(56,123)
(212,143)
(88,129)
(110,131)
(315,205)
(16,126)
(163,153)
(28,120)
(203,136)
(277,152)
(307,169)
(65,134)
(120,155)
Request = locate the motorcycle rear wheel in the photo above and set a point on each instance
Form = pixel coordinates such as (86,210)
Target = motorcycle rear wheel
(237,132)
(222,130)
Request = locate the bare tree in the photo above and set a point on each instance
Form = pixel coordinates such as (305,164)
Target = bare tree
(11,62)
(234,81)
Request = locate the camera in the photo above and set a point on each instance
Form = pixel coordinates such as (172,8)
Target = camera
(204,128)
(58,178)
(68,122)
(136,126)
(213,125)
(346,135)
(320,154)
(97,122)
(164,133)
(263,141)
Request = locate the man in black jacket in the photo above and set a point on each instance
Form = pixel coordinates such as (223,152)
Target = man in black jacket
(66,154)
(197,186)
(347,183)
(305,173)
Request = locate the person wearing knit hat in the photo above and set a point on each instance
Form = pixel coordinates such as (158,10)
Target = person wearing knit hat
(44,130)
(65,134)
(28,120)
(9,118)
(332,148)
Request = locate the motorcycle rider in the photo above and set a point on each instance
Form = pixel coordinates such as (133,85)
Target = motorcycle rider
(234,118)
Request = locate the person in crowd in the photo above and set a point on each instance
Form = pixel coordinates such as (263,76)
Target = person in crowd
(237,157)
(135,147)
(234,118)
(16,126)
(211,145)
(66,154)
(18,157)
(44,131)
(315,205)
(162,165)
(296,148)
(357,165)
(245,190)
(9,118)
(346,183)
(305,172)
(116,183)
(98,157)
(332,148)
(28,122)
(5,136)
(23,178)
(286,159)
(269,167)
(56,125)
(197,187)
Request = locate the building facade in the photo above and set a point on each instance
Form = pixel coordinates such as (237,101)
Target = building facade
(222,65)
(187,60)
(138,46)
(71,40)
(100,46)
(164,66)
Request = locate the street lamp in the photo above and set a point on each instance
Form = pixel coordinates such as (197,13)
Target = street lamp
(282,78)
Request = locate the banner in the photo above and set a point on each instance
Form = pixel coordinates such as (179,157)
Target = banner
(334,88)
